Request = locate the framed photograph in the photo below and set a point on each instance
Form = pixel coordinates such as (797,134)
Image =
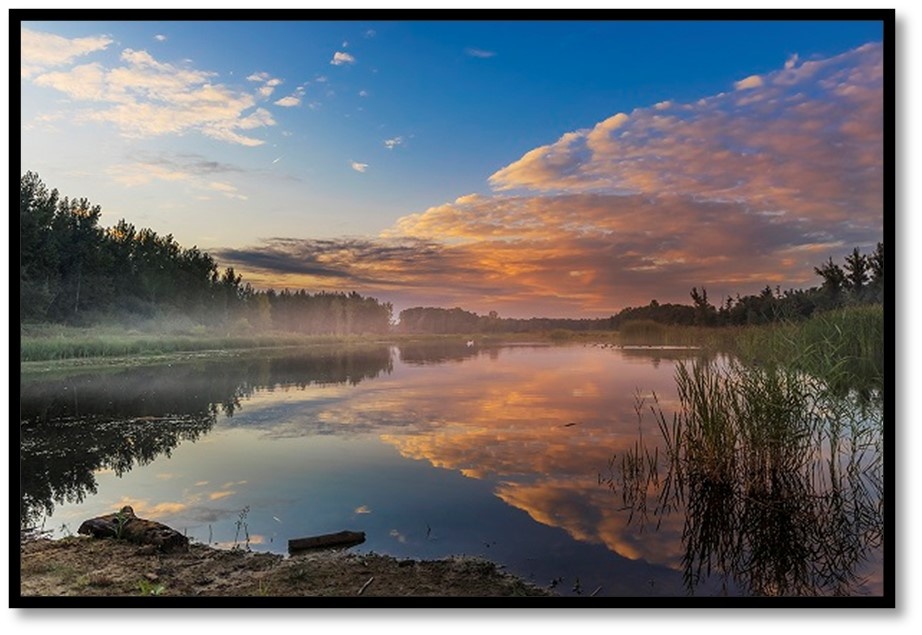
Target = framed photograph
(585,308)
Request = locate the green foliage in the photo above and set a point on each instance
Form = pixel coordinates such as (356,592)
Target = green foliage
(121,519)
(150,588)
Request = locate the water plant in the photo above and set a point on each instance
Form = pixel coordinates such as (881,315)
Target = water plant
(241,525)
(779,474)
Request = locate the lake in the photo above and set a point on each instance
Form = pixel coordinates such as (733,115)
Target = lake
(515,453)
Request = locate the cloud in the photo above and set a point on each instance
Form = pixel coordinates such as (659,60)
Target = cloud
(390,144)
(160,38)
(192,170)
(340,58)
(363,93)
(359,167)
(474,52)
(391,264)
(791,62)
(753,81)
(41,51)
(802,139)
(268,83)
(144,97)
(289,101)
(370,33)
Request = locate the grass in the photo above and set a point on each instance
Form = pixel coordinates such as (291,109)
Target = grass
(60,343)
(843,347)
(775,457)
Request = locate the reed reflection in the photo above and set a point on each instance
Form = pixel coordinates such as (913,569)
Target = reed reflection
(777,476)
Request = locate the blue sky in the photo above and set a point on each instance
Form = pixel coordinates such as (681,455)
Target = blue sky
(550,168)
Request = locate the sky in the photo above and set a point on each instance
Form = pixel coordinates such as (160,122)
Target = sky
(559,169)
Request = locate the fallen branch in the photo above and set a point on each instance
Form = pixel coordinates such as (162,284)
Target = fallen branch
(365,586)
(342,539)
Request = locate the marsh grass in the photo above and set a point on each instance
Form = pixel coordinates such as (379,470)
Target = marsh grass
(776,461)
(37,344)
(843,347)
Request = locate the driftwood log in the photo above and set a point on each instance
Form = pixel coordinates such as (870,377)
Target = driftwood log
(124,525)
(341,539)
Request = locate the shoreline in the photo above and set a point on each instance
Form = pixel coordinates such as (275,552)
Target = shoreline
(80,566)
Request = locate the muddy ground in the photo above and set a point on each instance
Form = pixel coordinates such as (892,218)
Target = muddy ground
(83,566)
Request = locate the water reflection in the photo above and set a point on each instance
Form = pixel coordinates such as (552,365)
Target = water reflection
(76,426)
(432,450)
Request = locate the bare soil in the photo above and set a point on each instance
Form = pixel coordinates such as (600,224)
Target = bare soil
(83,566)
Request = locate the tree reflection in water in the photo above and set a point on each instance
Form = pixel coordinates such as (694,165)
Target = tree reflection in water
(779,478)
(73,427)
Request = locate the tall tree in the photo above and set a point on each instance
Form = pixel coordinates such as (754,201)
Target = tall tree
(39,274)
(857,270)
(834,279)
(79,239)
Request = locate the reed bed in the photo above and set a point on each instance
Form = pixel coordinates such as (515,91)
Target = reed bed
(775,458)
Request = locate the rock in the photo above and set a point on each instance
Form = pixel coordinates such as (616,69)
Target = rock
(124,525)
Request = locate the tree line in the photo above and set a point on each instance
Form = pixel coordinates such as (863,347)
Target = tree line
(858,280)
(74,271)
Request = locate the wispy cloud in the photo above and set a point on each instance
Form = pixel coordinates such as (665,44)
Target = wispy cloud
(41,51)
(481,53)
(390,144)
(359,167)
(192,170)
(340,58)
(144,97)
(160,37)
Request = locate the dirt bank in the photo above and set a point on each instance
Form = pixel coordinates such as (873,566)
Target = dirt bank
(82,566)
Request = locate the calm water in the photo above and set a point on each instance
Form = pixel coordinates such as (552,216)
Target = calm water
(431,450)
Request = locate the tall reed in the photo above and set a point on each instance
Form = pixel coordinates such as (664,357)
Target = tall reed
(779,472)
